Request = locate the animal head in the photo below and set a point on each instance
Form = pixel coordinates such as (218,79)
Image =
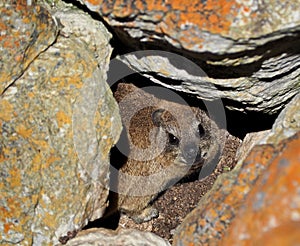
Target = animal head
(188,132)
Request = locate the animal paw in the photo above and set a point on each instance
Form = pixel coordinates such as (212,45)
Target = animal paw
(146,215)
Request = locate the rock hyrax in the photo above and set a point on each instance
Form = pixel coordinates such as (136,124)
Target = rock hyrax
(167,141)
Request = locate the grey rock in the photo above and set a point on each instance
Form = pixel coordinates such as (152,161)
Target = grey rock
(268,89)
(126,237)
(249,141)
(58,121)
(287,123)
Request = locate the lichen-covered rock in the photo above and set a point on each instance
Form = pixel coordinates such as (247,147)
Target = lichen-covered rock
(271,212)
(25,33)
(248,50)
(208,26)
(58,121)
(124,237)
(218,210)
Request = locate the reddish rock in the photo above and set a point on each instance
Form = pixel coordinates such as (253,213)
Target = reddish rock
(208,223)
(197,25)
(271,213)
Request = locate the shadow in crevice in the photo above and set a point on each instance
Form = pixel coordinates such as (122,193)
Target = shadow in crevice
(111,217)
(289,44)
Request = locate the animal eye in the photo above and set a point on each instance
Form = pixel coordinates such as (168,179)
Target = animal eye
(201,130)
(173,140)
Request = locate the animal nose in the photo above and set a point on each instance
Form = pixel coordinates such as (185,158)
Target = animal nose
(191,151)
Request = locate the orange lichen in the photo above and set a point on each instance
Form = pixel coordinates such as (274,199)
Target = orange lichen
(18,57)
(51,160)
(2,158)
(49,220)
(274,196)
(37,162)
(55,79)
(41,144)
(31,94)
(95,2)
(7,227)
(15,177)
(6,110)
(62,118)
(23,131)
(214,16)
(156,6)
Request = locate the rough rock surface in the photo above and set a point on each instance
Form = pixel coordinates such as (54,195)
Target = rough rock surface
(287,124)
(248,51)
(267,88)
(25,33)
(104,237)
(208,223)
(249,141)
(56,121)
(201,26)
(271,212)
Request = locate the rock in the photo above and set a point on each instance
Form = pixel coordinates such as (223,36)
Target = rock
(104,237)
(24,35)
(58,120)
(271,212)
(250,140)
(208,224)
(220,27)
(243,51)
(245,92)
(287,123)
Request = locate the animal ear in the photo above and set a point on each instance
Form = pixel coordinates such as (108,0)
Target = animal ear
(157,117)
(123,90)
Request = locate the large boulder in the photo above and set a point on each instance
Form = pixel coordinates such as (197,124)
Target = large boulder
(271,212)
(58,120)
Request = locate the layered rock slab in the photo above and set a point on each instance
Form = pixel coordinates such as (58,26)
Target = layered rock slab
(247,52)
(209,26)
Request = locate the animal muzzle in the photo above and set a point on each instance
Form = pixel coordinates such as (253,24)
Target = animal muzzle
(191,153)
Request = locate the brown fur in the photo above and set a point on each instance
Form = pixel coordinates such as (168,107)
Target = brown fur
(160,134)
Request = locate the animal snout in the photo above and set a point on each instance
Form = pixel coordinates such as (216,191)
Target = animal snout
(191,152)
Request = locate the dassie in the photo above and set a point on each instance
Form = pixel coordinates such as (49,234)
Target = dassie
(167,141)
